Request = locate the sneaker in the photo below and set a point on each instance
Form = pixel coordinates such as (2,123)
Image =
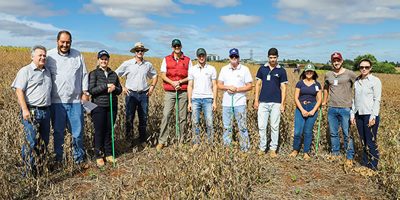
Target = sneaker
(261,152)
(111,159)
(294,153)
(100,162)
(273,154)
(159,147)
(306,157)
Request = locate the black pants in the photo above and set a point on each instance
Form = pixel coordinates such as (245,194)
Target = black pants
(368,136)
(102,130)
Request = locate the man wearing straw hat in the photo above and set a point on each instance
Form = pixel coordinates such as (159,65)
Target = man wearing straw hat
(174,72)
(137,72)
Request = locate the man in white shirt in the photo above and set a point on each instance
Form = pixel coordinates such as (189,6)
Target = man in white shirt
(235,79)
(202,93)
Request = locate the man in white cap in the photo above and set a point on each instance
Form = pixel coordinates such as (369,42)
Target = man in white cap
(137,71)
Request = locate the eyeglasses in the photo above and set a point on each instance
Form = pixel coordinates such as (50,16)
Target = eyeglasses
(233,57)
(365,67)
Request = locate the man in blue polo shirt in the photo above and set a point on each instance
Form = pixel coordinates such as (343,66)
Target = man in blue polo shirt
(270,102)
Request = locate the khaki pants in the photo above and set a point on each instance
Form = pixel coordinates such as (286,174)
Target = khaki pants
(168,116)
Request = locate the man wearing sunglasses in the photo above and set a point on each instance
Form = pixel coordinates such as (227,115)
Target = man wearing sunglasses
(235,80)
(338,86)
(174,73)
(137,89)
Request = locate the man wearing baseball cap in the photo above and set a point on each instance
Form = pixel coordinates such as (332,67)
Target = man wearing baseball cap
(235,80)
(174,73)
(202,94)
(137,89)
(338,86)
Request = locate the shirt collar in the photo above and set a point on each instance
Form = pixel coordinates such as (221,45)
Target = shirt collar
(182,55)
(199,66)
(237,68)
(277,66)
(34,67)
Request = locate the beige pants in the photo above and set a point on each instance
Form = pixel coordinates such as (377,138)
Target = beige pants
(169,116)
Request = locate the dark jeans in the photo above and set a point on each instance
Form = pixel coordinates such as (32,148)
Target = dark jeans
(368,135)
(136,101)
(102,130)
(303,126)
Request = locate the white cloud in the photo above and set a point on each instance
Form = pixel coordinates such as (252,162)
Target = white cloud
(20,27)
(240,20)
(27,7)
(337,12)
(384,36)
(134,13)
(215,3)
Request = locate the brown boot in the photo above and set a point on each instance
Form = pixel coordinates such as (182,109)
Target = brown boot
(306,157)
(159,147)
(273,154)
(349,163)
(294,153)
(100,162)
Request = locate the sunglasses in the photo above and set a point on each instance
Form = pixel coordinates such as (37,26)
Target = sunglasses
(365,67)
(137,51)
(177,46)
(233,57)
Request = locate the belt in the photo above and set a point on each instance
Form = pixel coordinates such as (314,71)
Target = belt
(139,92)
(306,102)
(38,107)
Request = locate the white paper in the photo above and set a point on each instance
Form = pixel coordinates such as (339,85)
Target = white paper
(88,106)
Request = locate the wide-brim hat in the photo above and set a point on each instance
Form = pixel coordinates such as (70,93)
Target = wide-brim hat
(138,46)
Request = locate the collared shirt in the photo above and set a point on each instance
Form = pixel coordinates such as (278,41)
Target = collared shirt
(202,78)
(36,85)
(136,74)
(235,77)
(163,67)
(69,75)
(271,83)
(340,88)
(367,96)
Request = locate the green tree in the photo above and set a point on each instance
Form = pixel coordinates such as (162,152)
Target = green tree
(360,57)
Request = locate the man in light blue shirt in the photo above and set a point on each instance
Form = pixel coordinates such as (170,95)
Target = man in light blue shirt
(70,85)
(33,86)
(137,72)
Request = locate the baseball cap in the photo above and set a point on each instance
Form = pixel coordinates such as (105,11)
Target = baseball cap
(102,53)
(336,55)
(309,67)
(176,42)
(201,51)
(233,52)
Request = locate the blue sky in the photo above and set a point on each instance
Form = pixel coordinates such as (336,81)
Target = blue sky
(303,29)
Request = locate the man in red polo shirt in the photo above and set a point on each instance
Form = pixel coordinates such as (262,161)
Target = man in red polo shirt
(174,73)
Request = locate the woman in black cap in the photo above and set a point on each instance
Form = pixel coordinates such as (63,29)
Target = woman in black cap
(102,82)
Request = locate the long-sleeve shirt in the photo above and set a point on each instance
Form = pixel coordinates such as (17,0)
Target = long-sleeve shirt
(69,75)
(367,96)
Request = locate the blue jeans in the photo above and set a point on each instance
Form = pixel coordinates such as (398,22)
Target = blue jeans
(240,115)
(304,125)
(136,101)
(205,104)
(40,123)
(368,136)
(68,115)
(337,117)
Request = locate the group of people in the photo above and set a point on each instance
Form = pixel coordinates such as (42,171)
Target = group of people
(56,83)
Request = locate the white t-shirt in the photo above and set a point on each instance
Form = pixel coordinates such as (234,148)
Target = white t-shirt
(202,80)
(238,78)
